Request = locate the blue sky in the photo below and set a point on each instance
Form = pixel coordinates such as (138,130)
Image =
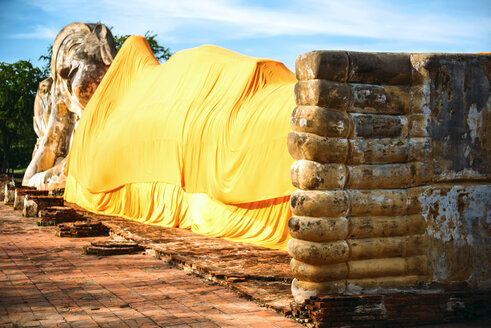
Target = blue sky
(275,29)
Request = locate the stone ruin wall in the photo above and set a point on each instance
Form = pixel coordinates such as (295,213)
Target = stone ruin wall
(392,170)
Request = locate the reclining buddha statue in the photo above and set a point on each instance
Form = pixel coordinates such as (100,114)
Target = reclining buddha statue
(198,142)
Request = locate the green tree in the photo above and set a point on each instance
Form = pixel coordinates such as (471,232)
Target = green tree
(47,59)
(160,52)
(18,85)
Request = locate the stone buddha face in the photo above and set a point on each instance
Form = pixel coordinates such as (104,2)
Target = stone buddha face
(80,64)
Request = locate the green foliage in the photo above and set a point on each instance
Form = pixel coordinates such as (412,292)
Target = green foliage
(18,85)
(47,59)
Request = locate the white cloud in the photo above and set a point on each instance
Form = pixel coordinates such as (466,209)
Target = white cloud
(237,19)
(38,32)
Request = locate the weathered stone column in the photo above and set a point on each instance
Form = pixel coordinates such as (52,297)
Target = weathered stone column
(9,194)
(4,180)
(363,147)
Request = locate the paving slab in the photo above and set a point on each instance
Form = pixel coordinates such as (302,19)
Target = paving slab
(46,281)
(259,273)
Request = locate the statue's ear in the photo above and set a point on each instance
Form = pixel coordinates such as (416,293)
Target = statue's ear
(64,71)
(107,48)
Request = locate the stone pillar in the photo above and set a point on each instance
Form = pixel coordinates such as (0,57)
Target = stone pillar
(9,194)
(4,180)
(363,145)
(30,208)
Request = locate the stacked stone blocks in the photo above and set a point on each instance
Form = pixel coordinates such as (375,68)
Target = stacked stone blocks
(366,150)
(356,222)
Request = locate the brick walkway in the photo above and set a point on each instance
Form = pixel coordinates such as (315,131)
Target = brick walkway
(259,273)
(45,281)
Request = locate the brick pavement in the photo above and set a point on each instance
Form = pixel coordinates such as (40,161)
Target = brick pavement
(259,273)
(45,281)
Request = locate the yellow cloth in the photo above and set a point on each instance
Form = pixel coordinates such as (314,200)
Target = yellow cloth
(198,142)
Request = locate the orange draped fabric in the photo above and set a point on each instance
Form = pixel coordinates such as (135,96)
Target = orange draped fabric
(198,142)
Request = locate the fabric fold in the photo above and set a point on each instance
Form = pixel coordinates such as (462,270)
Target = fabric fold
(198,142)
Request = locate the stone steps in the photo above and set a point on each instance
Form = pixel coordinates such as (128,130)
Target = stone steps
(33,204)
(20,194)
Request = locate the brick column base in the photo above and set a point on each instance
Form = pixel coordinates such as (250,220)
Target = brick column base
(393,310)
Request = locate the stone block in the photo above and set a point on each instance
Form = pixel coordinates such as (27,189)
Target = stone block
(303,290)
(388,226)
(318,229)
(386,247)
(309,175)
(2,190)
(373,284)
(380,68)
(355,97)
(9,195)
(318,273)
(388,267)
(349,66)
(30,208)
(82,229)
(387,176)
(380,99)
(18,201)
(326,65)
(354,151)
(321,121)
(378,151)
(58,214)
(332,95)
(22,192)
(318,149)
(378,202)
(43,201)
(333,203)
(379,126)
(319,253)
